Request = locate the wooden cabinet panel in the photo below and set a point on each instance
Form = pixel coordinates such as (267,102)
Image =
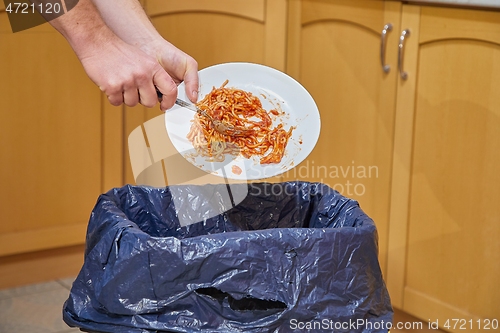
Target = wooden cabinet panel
(455,179)
(214,37)
(452,249)
(224,31)
(334,51)
(52,141)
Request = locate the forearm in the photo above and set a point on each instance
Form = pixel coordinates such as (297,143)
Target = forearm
(128,20)
(84,28)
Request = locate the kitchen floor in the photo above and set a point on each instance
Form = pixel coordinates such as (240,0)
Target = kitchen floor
(37,308)
(402,319)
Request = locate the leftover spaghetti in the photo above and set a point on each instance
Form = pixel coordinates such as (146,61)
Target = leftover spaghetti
(241,110)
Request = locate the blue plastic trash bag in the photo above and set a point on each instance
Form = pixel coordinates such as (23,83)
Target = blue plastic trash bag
(290,257)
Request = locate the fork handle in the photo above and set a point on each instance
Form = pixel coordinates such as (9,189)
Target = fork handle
(180,102)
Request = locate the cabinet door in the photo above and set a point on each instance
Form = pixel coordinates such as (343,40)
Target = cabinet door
(446,185)
(212,32)
(52,146)
(334,50)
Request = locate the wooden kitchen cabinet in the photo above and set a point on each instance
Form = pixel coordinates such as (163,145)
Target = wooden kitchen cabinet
(445,218)
(59,148)
(433,137)
(334,50)
(419,154)
(213,32)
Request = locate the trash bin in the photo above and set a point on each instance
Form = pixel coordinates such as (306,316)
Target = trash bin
(290,257)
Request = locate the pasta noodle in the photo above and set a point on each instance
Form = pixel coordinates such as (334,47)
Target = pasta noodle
(242,110)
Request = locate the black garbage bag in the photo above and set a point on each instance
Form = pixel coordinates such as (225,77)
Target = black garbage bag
(290,257)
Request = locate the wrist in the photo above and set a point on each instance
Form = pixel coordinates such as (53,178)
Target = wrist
(153,46)
(89,42)
(130,23)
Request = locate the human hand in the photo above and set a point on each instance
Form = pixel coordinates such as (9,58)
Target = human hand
(180,66)
(128,75)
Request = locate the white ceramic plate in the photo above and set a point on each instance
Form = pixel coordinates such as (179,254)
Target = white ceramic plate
(280,91)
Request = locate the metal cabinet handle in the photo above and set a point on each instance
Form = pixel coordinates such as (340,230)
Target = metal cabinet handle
(404,34)
(387,28)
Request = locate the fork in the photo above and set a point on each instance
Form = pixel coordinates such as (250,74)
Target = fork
(218,125)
